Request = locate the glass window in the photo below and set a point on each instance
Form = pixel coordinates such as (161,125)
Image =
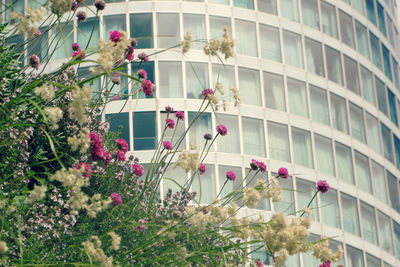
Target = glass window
(310,13)
(170,81)
(168,30)
(362,40)
(397,150)
(231,142)
(196,24)
(376,50)
(350,215)
(305,192)
(339,113)
(335,65)
(371,10)
(351,71)
(149,68)
(293,49)
(196,79)
(381,18)
(274,91)
(289,9)
(373,136)
(344,163)
(113,23)
(244,3)
(369,223)
(245,39)
(217,25)
(62,44)
(226,185)
(330,208)
(324,154)
(200,126)
(224,74)
(354,257)
(357,122)
(385,232)
(393,191)
(268,6)
(392,107)
(396,228)
(302,151)
(346,29)
(39,46)
(173,135)
(358,5)
(253,137)
(319,105)
(249,87)
(222,2)
(386,62)
(381,92)
(119,123)
(144,130)
(387,142)
(333,245)
(286,204)
(315,62)
(141,27)
(85,37)
(278,140)
(270,43)
(396,72)
(297,97)
(363,174)
(13,6)
(329,23)
(372,261)
(379,181)
(85,73)
(117,92)
(367,84)
(179,177)
(308,258)
(205,186)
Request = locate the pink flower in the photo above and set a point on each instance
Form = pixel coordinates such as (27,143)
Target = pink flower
(115,36)
(147,87)
(122,144)
(87,172)
(142,74)
(283,172)
(38,33)
(121,155)
(170,123)
(76,47)
(167,145)
(254,164)
(326,264)
(143,56)
(180,115)
(207,91)
(34,61)
(259,263)
(222,130)
(116,198)
(207,136)
(263,167)
(230,175)
(137,169)
(107,158)
(142,225)
(129,54)
(322,186)
(169,109)
(116,79)
(202,168)
(79,52)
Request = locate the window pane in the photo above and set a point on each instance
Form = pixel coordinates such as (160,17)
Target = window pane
(373,135)
(379,181)
(119,123)
(144,130)
(173,135)
(339,113)
(381,92)
(393,191)
(324,154)
(368,86)
(168,30)
(351,70)
(350,215)
(224,74)
(396,72)
(392,107)
(333,245)
(286,204)
(40,47)
(346,29)
(362,40)
(314,57)
(305,192)
(308,258)
(62,43)
(178,175)
(84,31)
(363,174)
(278,140)
(302,152)
(396,228)
(358,5)
(330,208)
(357,123)
(293,49)
(310,13)
(253,137)
(85,73)
(204,185)
(335,66)
(141,27)
(371,10)
(246,41)
(113,23)
(149,68)
(195,24)
(385,232)
(274,91)
(217,25)
(369,223)
(200,126)
(268,6)
(289,9)
(397,150)
(372,261)
(244,3)
(386,62)
(231,142)
(222,2)
(319,105)
(387,143)
(297,97)
(170,81)
(230,186)
(381,18)
(328,15)
(270,43)
(249,86)
(196,79)
(376,50)
(354,257)
(344,163)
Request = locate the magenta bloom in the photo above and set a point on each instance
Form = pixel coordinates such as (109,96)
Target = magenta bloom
(202,168)
(180,115)
(222,130)
(121,155)
(116,198)
(170,123)
(169,109)
(142,74)
(122,144)
(326,264)
(34,61)
(76,47)
(137,169)
(115,36)
(147,87)
(207,91)
(263,167)
(38,33)
(207,136)
(230,175)
(167,145)
(254,164)
(322,186)
(116,79)
(107,158)
(129,54)
(259,263)
(143,56)
(87,171)
(283,172)
(82,55)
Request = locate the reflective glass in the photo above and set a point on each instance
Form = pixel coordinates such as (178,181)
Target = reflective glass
(289,9)
(385,232)
(231,142)
(339,113)
(196,79)
(386,62)
(278,140)
(293,49)
(297,93)
(119,123)
(253,137)
(168,30)
(173,135)
(381,92)
(268,6)
(350,215)
(352,77)
(387,142)
(371,10)
(330,208)
(200,126)
(270,43)
(396,229)
(392,107)
(319,105)
(170,82)
(149,68)
(362,40)
(334,67)
(357,123)
(369,223)
(324,154)
(329,23)
(310,13)
(40,47)
(373,136)
(196,25)
(346,29)
(141,27)
(113,23)
(354,257)
(225,75)
(85,73)
(367,85)
(217,25)
(226,185)
(393,191)
(144,130)
(88,33)
(315,62)
(179,177)
(372,261)
(244,3)
(245,39)
(362,170)
(376,50)
(397,150)
(302,151)
(344,163)
(205,186)
(274,91)
(305,191)
(249,86)
(286,204)
(379,181)
(381,18)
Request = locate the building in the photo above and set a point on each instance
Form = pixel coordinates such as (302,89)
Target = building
(319,84)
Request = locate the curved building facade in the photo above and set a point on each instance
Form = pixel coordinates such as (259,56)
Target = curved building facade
(319,87)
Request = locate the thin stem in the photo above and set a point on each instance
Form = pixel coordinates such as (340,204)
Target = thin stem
(309,204)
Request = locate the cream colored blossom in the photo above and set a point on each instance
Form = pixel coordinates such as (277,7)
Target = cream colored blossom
(3,247)
(220,88)
(251,197)
(188,161)
(93,249)
(273,191)
(37,194)
(111,53)
(81,96)
(46,91)
(227,45)
(186,42)
(236,96)
(26,26)
(54,114)
(322,251)
(212,47)
(59,7)
(3,203)
(116,240)
(280,257)
(80,140)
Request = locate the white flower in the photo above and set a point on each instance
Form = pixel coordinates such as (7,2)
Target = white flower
(54,114)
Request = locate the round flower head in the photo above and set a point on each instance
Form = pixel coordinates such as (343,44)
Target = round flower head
(79,52)
(222,130)
(38,33)
(137,169)
(143,56)
(170,123)
(167,145)
(262,167)
(116,198)
(116,79)
(283,172)
(76,47)
(254,164)
(115,36)
(207,136)
(129,53)
(100,4)
(122,145)
(107,158)
(87,169)
(169,109)
(322,186)
(147,87)
(142,74)
(121,155)
(207,91)
(180,115)
(259,263)
(34,61)
(326,264)
(230,175)
(133,42)
(81,15)
(202,168)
